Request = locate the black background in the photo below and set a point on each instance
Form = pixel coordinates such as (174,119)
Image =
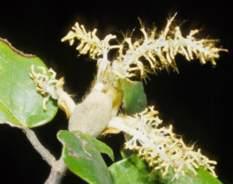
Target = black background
(198,101)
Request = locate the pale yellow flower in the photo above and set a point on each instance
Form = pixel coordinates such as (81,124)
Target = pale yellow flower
(159,146)
(150,53)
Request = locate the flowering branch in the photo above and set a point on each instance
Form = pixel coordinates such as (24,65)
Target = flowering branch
(50,87)
(158,145)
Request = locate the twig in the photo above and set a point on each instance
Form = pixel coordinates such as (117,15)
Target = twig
(44,152)
(57,172)
(58,167)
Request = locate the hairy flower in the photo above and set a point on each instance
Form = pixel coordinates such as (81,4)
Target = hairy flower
(89,42)
(50,87)
(46,83)
(159,146)
(149,54)
(156,52)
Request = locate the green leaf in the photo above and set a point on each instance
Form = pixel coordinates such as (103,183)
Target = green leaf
(202,177)
(134,97)
(131,170)
(102,147)
(82,155)
(20,104)
(206,178)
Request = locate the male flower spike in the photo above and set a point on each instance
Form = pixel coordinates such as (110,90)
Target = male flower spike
(149,54)
(159,146)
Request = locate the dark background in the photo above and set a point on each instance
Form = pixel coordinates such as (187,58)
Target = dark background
(198,101)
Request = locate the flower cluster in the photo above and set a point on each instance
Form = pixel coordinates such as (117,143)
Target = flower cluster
(92,45)
(46,83)
(89,42)
(149,54)
(159,146)
(50,87)
(158,51)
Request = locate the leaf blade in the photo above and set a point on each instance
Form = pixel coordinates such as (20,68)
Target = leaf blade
(134,97)
(137,172)
(202,177)
(20,104)
(83,157)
